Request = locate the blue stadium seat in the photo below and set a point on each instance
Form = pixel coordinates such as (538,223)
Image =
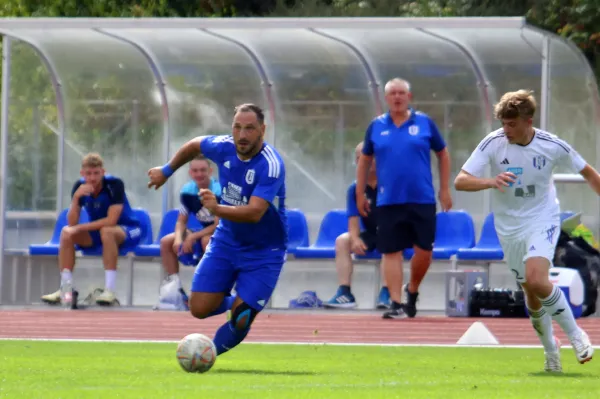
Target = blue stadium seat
(51,247)
(297,230)
(167,226)
(333,224)
(488,248)
(454,230)
(146,238)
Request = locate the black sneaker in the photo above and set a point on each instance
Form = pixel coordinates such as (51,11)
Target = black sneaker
(411,302)
(396,311)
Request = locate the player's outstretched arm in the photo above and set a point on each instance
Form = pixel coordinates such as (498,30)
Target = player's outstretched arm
(592,177)
(467,182)
(159,175)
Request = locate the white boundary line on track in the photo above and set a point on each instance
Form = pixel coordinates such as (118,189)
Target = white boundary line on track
(137,341)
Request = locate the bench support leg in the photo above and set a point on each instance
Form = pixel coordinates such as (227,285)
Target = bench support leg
(130,261)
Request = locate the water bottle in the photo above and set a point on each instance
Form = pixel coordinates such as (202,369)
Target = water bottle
(66,294)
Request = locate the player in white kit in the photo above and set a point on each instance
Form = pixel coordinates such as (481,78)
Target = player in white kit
(527,213)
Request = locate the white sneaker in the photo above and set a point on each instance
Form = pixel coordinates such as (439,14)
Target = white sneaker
(552,362)
(582,346)
(107,298)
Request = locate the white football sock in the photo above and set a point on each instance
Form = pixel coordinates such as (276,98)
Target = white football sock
(556,305)
(66,276)
(110,280)
(542,324)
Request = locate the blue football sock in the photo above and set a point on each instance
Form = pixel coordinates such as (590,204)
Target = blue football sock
(228,337)
(224,306)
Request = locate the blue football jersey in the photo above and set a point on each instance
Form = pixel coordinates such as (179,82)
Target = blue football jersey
(403,157)
(191,204)
(112,193)
(262,176)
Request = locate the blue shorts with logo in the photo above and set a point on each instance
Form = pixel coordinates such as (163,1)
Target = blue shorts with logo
(132,237)
(254,273)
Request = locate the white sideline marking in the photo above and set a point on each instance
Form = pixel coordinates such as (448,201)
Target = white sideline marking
(138,341)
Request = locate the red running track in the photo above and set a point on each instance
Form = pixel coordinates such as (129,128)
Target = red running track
(268,327)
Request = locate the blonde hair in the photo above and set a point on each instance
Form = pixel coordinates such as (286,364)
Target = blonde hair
(516,104)
(92,160)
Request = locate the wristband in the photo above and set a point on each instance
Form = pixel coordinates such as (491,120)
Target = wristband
(167,170)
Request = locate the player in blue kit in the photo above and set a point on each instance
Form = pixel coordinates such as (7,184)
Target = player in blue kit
(401,142)
(248,246)
(112,225)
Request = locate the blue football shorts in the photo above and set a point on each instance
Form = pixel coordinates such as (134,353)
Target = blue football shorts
(254,273)
(133,234)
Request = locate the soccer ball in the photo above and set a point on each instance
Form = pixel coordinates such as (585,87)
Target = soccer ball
(196,353)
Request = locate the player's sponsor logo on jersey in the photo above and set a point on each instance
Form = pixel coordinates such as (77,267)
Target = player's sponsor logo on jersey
(227,164)
(539,162)
(250,176)
(232,194)
(413,130)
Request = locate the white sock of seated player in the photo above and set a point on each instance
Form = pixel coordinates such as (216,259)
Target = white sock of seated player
(542,324)
(66,276)
(558,308)
(175,278)
(110,280)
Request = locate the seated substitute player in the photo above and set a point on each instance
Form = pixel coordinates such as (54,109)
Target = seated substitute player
(527,213)
(357,242)
(185,245)
(112,224)
(249,245)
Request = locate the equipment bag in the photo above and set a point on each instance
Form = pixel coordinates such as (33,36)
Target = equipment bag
(576,253)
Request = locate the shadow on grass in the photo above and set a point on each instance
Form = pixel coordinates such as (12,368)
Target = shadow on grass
(261,372)
(561,375)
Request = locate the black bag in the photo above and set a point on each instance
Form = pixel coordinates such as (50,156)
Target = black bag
(576,253)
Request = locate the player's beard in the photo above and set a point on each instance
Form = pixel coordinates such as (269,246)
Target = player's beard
(250,149)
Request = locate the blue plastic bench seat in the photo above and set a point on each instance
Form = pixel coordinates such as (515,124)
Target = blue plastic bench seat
(333,224)
(488,248)
(297,230)
(167,226)
(454,230)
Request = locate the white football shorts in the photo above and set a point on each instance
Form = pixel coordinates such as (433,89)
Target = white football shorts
(538,240)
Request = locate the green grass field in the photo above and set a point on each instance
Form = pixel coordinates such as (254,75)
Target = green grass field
(37,369)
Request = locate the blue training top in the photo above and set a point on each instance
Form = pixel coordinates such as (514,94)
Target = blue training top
(261,176)
(403,158)
(112,193)
(191,204)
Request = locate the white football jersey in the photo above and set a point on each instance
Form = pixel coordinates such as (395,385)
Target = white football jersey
(532,197)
